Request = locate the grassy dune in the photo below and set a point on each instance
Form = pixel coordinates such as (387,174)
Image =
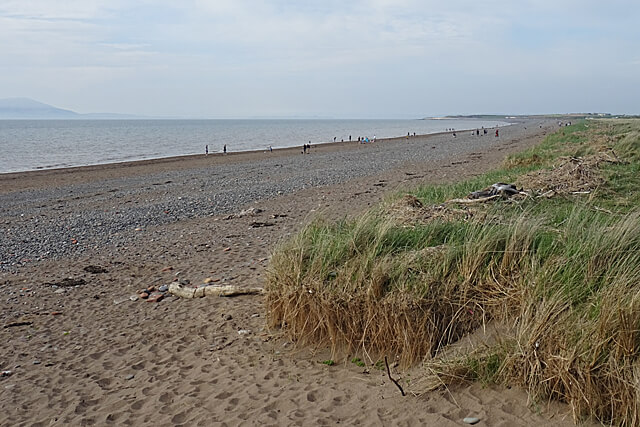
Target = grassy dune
(557,268)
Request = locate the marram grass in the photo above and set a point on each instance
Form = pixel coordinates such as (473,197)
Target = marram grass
(561,275)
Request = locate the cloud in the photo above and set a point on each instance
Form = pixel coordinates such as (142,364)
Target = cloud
(260,53)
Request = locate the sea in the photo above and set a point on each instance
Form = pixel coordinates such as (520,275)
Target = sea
(47,144)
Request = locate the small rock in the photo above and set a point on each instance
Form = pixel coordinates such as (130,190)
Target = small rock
(7,373)
(144,295)
(151,289)
(471,420)
(155,297)
(59,291)
(133,298)
(36,362)
(253,316)
(226,249)
(129,377)
(227,317)
(167,269)
(244,332)
(95,269)
(163,288)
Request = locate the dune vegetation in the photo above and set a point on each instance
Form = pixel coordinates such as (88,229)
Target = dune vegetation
(555,268)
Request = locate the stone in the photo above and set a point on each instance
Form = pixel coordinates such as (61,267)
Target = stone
(163,288)
(59,291)
(169,268)
(244,332)
(133,298)
(155,297)
(471,420)
(144,295)
(36,362)
(129,377)
(95,269)
(7,373)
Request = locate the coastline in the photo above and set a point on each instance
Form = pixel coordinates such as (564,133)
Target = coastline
(38,178)
(103,358)
(174,157)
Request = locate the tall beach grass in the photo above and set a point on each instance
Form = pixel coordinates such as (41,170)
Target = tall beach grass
(558,270)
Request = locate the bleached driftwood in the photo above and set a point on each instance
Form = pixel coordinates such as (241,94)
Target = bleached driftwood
(181,291)
(470,201)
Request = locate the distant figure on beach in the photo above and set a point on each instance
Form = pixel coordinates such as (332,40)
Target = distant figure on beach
(374,138)
(270,149)
(224,149)
(477,132)
(485,131)
(454,134)
(414,134)
(334,139)
(304,149)
(206,150)
(496,132)
(349,138)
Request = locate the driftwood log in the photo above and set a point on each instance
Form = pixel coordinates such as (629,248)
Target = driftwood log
(182,291)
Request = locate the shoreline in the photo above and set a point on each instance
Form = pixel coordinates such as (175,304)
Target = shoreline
(160,160)
(38,178)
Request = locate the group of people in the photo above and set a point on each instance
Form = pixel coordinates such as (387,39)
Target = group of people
(476,132)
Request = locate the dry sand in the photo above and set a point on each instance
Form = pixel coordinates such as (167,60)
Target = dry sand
(88,355)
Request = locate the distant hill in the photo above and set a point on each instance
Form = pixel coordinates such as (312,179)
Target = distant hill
(25,108)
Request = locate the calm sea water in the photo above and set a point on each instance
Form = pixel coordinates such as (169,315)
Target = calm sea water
(44,144)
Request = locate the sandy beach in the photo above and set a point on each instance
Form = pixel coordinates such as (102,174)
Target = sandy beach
(86,353)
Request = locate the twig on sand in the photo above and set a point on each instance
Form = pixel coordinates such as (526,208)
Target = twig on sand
(389,374)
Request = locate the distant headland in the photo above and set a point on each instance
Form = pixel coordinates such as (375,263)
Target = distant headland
(26,108)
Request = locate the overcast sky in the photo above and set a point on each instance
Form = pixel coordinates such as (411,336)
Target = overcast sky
(338,59)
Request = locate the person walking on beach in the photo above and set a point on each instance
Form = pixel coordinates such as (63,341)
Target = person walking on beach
(206,150)
(496,132)
(224,149)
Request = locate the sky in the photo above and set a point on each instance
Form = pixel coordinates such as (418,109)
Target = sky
(325,59)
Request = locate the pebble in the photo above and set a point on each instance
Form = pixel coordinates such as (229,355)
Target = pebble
(163,288)
(36,362)
(244,332)
(471,420)
(7,373)
(129,377)
(155,297)
(59,291)
(133,298)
